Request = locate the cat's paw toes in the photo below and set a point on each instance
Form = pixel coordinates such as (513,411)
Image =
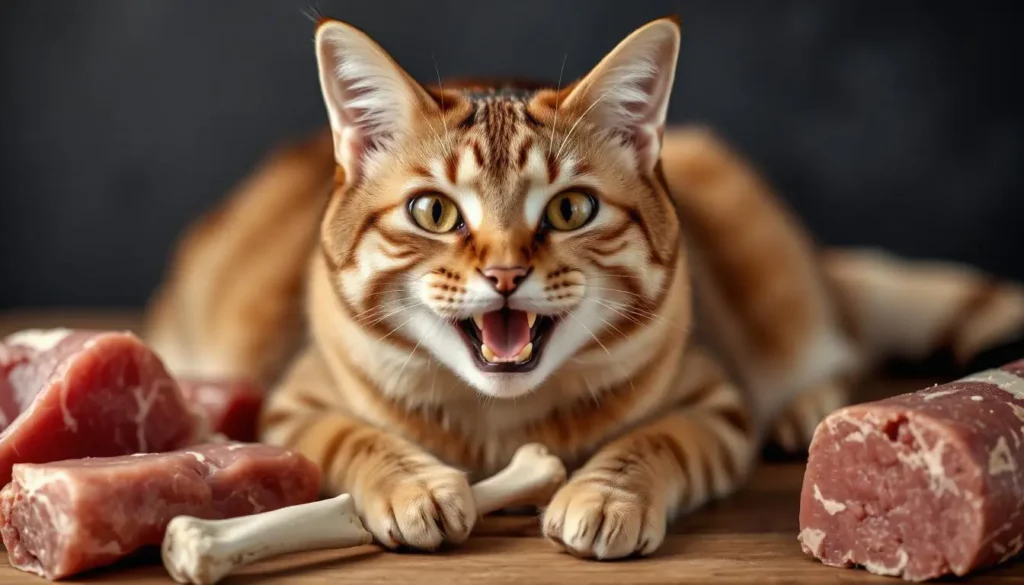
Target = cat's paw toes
(595,520)
(420,511)
(794,429)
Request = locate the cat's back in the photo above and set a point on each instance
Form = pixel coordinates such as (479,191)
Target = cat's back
(231,301)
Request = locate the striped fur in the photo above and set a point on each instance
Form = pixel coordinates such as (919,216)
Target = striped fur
(692,301)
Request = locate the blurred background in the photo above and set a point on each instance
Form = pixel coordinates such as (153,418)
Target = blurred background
(890,124)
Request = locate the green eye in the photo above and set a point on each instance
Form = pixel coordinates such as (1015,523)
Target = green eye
(569,210)
(435,213)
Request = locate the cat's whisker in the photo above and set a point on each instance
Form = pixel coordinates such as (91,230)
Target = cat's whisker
(433,330)
(392,314)
(404,323)
(385,292)
(626,316)
(649,316)
(381,307)
(444,117)
(433,379)
(365,317)
(621,275)
(554,123)
(614,328)
(624,309)
(578,120)
(632,309)
(617,364)
(618,290)
(588,330)
(368,313)
(590,390)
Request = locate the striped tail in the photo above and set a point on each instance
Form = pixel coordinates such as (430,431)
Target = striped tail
(920,311)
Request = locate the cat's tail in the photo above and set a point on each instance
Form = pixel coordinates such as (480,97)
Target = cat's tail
(912,310)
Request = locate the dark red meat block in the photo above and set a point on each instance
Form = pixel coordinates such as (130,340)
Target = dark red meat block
(69,394)
(59,519)
(920,485)
(232,407)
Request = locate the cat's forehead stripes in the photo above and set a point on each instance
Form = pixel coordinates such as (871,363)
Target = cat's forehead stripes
(498,121)
(499,165)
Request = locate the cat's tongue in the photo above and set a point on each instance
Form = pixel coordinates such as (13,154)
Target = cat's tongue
(506,332)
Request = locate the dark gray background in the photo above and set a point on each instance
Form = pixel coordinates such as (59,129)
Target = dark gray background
(897,124)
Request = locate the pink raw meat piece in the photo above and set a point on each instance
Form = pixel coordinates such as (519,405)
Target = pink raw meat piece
(11,357)
(63,518)
(68,394)
(232,407)
(921,485)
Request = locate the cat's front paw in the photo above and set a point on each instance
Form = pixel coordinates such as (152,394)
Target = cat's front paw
(420,510)
(591,518)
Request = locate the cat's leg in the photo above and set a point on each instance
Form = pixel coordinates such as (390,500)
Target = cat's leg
(620,502)
(405,496)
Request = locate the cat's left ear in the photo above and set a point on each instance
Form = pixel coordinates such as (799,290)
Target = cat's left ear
(628,91)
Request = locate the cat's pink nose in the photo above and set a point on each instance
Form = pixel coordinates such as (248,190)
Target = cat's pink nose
(505,279)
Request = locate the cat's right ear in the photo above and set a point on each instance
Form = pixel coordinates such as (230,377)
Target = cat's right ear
(370,99)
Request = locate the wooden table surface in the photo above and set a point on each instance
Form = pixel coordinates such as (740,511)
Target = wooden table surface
(749,538)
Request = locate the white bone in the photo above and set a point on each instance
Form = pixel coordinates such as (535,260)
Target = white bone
(203,552)
(531,478)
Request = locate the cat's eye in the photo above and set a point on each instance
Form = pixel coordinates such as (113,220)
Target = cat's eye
(570,210)
(435,213)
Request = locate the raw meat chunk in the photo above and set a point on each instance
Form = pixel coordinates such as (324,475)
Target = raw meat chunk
(231,407)
(69,394)
(920,485)
(62,518)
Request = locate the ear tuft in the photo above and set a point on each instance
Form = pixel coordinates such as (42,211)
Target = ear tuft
(371,101)
(319,18)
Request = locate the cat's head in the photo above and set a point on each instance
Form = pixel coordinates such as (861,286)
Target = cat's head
(505,230)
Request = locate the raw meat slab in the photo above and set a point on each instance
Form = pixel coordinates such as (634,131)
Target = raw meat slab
(231,407)
(69,394)
(59,519)
(920,485)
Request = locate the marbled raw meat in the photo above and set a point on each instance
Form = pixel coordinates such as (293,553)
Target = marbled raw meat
(920,485)
(232,407)
(59,519)
(68,394)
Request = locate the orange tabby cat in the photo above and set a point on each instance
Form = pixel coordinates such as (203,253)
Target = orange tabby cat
(452,272)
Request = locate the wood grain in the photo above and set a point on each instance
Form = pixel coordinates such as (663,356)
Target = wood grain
(749,538)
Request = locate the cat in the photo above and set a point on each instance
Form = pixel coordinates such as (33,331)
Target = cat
(448,272)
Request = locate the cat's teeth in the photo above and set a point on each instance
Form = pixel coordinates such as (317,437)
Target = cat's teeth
(525,354)
(531,318)
(488,354)
(479,320)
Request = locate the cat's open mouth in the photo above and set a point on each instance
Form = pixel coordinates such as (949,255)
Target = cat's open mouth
(506,340)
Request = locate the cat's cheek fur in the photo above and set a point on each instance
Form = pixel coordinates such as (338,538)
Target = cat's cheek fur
(444,343)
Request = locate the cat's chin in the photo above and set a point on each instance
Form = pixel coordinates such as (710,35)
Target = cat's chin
(506,386)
